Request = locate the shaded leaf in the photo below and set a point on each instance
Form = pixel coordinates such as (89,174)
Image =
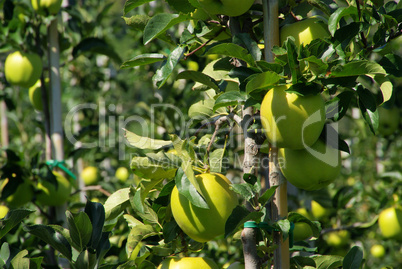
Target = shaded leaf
(231,98)
(232,50)
(188,190)
(116,203)
(238,217)
(200,78)
(80,228)
(357,68)
(159,23)
(96,214)
(266,196)
(131,4)
(339,13)
(95,45)
(262,81)
(145,142)
(13,218)
(162,74)
(353,259)
(143,59)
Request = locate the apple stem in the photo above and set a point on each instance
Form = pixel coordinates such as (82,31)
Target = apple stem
(279,204)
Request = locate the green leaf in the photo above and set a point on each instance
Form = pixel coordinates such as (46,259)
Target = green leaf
(232,50)
(238,217)
(215,160)
(95,45)
(244,189)
(353,259)
(367,105)
(262,80)
(316,65)
(201,110)
(117,203)
(19,261)
(148,168)
(386,87)
(51,237)
(320,5)
(159,23)
(162,74)
(80,229)
(137,22)
(13,218)
(336,107)
(284,226)
(266,196)
(96,214)
(136,235)
(231,98)
(145,142)
(131,4)
(181,5)
(200,78)
(339,13)
(302,262)
(305,89)
(327,261)
(392,63)
(5,252)
(188,190)
(357,68)
(170,231)
(143,59)
(252,46)
(86,260)
(314,225)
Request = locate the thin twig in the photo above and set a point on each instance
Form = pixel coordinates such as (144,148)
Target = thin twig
(96,188)
(363,37)
(204,44)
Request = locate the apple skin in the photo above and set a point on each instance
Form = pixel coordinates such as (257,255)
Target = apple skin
(388,120)
(390,223)
(319,212)
(22,195)
(188,263)
(122,174)
(51,196)
(35,94)
(203,224)
(378,251)
(283,116)
(302,231)
(44,7)
(3,211)
(338,238)
(304,31)
(89,175)
(230,8)
(306,171)
(23,69)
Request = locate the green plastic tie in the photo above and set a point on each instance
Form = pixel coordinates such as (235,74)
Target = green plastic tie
(270,228)
(61,165)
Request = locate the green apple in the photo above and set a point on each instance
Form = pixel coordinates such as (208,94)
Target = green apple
(338,238)
(304,31)
(302,231)
(388,120)
(290,120)
(3,211)
(35,94)
(89,175)
(23,69)
(51,195)
(22,195)
(122,174)
(310,169)
(390,223)
(188,263)
(377,251)
(230,8)
(45,7)
(203,224)
(192,65)
(318,211)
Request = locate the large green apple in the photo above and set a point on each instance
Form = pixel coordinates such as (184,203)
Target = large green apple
(89,175)
(22,195)
(304,31)
(388,120)
(35,94)
(310,169)
(188,263)
(51,196)
(23,69)
(230,8)
(205,224)
(122,174)
(390,222)
(45,7)
(3,211)
(290,120)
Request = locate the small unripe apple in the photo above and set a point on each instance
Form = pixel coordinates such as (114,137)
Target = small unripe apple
(188,263)
(23,69)
(35,94)
(122,174)
(377,251)
(338,238)
(318,211)
(304,31)
(390,223)
(51,195)
(22,195)
(46,7)
(89,175)
(3,211)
